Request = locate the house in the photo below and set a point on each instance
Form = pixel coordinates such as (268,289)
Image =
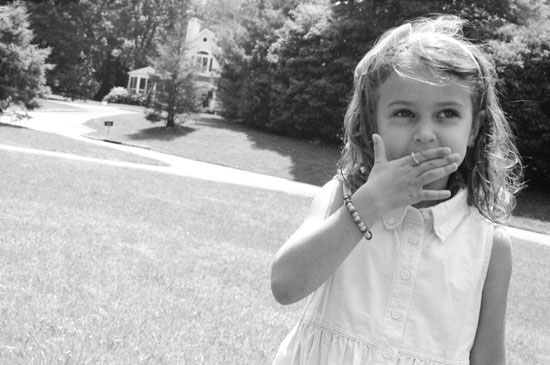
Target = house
(138,81)
(200,45)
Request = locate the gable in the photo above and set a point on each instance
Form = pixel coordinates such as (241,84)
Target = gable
(204,41)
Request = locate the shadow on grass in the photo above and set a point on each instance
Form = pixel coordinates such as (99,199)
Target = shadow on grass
(161,133)
(12,126)
(312,163)
(534,202)
(45,105)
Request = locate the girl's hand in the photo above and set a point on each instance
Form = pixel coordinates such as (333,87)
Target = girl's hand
(401,182)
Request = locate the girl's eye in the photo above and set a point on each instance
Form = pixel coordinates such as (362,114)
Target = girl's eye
(403,113)
(448,113)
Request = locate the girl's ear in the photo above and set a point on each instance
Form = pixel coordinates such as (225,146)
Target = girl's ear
(476,123)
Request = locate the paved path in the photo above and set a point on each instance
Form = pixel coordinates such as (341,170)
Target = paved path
(71,124)
(189,168)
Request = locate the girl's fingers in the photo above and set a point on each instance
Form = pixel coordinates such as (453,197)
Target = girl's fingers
(438,162)
(437,173)
(427,155)
(434,195)
(379,149)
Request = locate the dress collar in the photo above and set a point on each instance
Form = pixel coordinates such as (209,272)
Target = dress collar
(446,215)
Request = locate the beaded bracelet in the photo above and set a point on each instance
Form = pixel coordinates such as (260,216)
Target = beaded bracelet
(356,218)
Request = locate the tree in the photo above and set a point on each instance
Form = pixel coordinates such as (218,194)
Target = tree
(69,29)
(290,70)
(308,99)
(22,64)
(522,56)
(245,87)
(95,43)
(175,93)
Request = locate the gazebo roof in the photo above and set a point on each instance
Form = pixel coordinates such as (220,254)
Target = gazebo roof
(142,72)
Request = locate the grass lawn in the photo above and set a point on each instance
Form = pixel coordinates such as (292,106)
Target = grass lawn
(23,137)
(110,265)
(209,138)
(116,266)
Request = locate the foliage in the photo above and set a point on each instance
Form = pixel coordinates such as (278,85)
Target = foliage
(301,85)
(120,95)
(175,91)
(287,65)
(22,64)
(523,61)
(290,70)
(70,30)
(245,87)
(307,97)
(95,43)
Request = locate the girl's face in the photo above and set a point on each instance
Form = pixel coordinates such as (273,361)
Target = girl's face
(414,116)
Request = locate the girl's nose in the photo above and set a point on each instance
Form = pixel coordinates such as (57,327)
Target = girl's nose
(424,132)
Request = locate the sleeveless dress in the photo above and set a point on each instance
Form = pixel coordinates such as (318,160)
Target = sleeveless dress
(411,295)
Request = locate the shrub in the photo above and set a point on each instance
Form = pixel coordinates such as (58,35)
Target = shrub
(523,64)
(120,95)
(117,95)
(22,64)
(153,115)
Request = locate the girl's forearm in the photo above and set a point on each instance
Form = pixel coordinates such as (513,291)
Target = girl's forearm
(312,254)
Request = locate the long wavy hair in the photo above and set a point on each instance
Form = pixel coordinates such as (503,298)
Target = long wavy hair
(429,49)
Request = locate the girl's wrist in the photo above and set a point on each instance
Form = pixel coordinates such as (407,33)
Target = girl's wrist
(368,205)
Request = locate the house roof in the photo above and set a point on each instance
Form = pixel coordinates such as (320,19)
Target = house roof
(204,32)
(145,71)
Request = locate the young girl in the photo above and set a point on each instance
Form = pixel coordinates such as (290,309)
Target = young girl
(399,255)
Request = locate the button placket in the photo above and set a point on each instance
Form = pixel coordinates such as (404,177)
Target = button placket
(396,314)
(386,354)
(402,284)
(405,274)
(413,239)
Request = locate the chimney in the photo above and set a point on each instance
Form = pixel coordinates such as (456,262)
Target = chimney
(193,28)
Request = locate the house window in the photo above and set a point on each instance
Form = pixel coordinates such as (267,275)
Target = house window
(138,85)
(204,61)
(142,85)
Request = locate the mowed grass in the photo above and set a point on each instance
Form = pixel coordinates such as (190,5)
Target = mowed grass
(107,265)
(210,138)
(26,138)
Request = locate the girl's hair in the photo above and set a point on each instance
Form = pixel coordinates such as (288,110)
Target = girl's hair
(431,49)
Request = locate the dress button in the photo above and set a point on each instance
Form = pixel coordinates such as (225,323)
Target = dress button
(391,220)
(405,275)
(387,353)
(413,239)
(396,314)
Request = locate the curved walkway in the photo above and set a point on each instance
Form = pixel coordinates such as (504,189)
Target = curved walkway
(71,124)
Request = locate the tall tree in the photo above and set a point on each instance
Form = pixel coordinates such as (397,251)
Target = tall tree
(22,64)
(95,43)
(175,92)
(69,28)
(245,86)
(522,55)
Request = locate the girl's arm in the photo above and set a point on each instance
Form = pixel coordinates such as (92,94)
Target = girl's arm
(321,244)
(489,347)
(317,248)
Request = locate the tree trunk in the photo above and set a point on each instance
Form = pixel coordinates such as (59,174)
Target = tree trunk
(170,120)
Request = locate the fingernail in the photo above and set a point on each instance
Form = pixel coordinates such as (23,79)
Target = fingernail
(453,157)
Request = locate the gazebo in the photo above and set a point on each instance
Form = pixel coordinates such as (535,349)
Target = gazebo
(138,81)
